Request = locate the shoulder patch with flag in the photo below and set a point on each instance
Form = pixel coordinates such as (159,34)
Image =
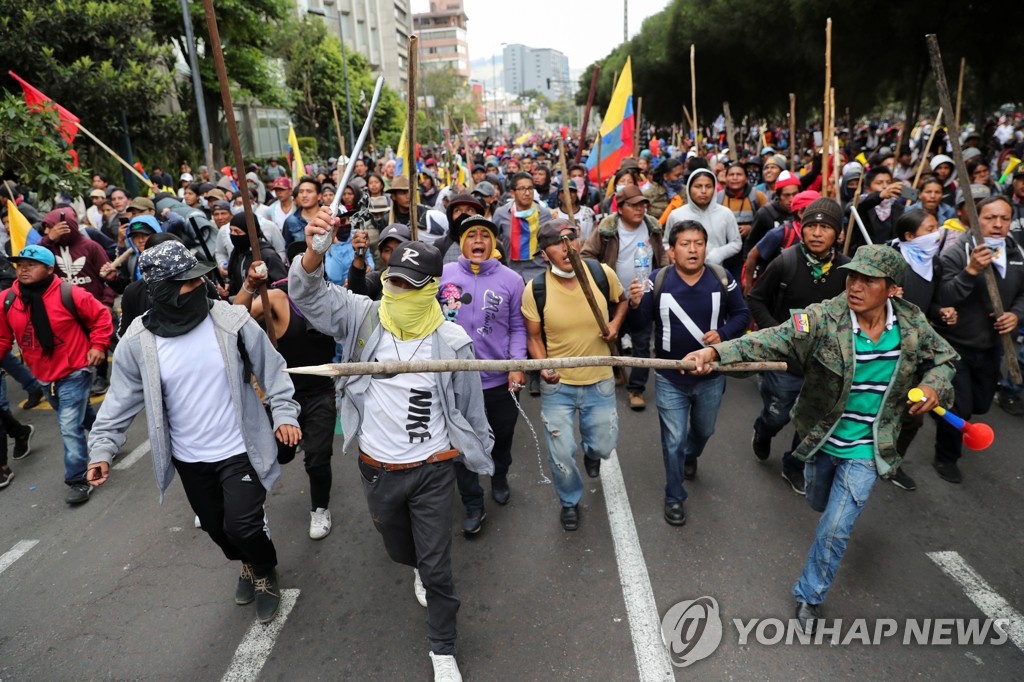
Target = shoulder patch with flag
(801,323)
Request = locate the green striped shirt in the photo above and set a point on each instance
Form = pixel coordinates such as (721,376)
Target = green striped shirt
(874,366)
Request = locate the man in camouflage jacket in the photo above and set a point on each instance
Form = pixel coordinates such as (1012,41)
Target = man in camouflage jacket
(861,351)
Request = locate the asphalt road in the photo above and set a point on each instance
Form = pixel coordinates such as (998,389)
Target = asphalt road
(124,588)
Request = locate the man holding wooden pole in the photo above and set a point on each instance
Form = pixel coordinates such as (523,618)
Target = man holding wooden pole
(410,427)
(559,323)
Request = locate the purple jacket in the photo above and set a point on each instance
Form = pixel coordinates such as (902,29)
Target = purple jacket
(487,306)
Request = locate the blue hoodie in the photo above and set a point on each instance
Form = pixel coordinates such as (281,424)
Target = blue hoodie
(338,260)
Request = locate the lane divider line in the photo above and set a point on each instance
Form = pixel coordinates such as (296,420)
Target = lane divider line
(133,456)
(14,553)
(255,647)
(981,593)
(652,659)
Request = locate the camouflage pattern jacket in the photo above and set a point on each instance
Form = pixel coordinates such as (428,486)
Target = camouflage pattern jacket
(821,339)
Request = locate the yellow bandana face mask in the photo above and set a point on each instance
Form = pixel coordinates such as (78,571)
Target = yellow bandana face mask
(410,313)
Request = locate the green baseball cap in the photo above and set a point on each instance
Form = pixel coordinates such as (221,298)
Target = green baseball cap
(878,260)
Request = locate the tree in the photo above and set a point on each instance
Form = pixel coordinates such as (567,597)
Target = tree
(314,72)
(739,58)
(447,92)
(98,58)
(32,151)
(562,111)
(247,29)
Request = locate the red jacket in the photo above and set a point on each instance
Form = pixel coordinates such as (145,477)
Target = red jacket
(71,345)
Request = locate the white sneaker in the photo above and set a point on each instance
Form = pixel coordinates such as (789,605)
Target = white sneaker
(199,523)
(421,592)
(319,523)
(445,668)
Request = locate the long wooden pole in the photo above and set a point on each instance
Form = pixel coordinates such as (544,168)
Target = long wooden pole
(133,169)
(637,124)
(586,113)
(567,197)
(927,146)
(1009,352)
(794,147)
(345,369)
(689,121)
(337,126)
(581,277)
(410,162)
(693,94)
(826,134)
(960,89)
(853,216)
(236,148)
(470,183)
(730,131)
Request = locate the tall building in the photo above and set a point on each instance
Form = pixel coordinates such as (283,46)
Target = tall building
(541,69)
(442,36)
(377,29)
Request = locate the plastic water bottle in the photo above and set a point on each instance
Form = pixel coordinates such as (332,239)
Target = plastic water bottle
(642,264)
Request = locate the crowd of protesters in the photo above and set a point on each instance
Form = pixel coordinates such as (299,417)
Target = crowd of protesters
(688,247)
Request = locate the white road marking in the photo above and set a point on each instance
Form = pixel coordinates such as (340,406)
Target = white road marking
(652,659)
(14,553)
(981,593)
(133,456)
(252,653)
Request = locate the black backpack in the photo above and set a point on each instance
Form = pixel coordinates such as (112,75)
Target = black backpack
(540,290)
(66,298)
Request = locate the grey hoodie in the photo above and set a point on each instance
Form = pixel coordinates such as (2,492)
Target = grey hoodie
(135,384)
(336,311)
(724,238)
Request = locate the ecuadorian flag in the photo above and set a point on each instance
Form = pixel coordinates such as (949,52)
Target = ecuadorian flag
(616,129)
(295,157)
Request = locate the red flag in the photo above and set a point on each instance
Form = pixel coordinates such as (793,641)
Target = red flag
(34,99)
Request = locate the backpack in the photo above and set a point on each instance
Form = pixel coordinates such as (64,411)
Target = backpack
(791,261)
(717,270)
(540,290)
(66,297)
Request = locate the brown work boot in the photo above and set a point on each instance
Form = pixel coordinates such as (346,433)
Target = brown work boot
(636,401)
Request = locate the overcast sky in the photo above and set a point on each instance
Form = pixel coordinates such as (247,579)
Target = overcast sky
(579,29)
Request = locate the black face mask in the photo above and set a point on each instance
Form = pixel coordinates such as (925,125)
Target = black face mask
(174,314)
(240,241)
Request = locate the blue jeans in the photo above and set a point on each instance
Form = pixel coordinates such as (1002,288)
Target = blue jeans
(779,391)
(1007,386)
(20,373)
(599,428)
(69,398)
(687,415)
(840,488)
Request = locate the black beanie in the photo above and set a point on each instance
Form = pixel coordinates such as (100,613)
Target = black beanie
(825,212)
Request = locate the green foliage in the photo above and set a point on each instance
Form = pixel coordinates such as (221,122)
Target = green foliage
(33,153)
(562,111)
(308,147)
(97,58)
(451,94)
(753,54)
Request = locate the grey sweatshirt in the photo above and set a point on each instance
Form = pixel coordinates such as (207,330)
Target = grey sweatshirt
(135,384)
(723,232)
(336,311)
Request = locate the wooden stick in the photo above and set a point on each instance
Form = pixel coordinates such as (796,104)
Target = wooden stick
(581,277)
(794,148)
(689,119)
(693,94)
(236,148)
(565,181)
(133,169)
(826,134)
(1009,352)
(636,125)
(586,112)
(853,216)
(414,177)
(337,126)
(960,89)
(927,146)
(835,145)
(345,369)
(730,131)
(470,183)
